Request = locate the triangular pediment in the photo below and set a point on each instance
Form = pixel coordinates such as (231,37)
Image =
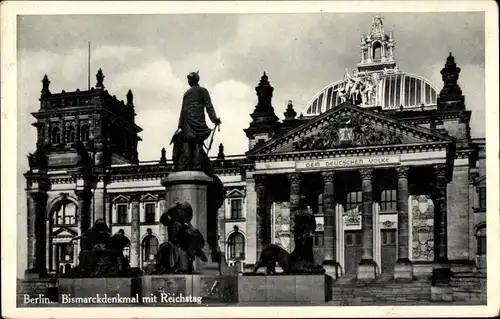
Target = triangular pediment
(149,198)
(348,126)
(120,199)
(64,232)
(235,193)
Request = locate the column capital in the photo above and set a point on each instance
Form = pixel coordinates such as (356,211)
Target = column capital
(162,196)
(36,195)
(83,194)
(260,180)
(328,176)
(402,171)
(366,173)
(293,178)
(108,198)
(136,197)
(441,171)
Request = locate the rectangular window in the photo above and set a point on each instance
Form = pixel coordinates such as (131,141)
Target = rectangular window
(150,212)
(388,200)
(122,213)
(388,237)
(236,208)
(354,238)
(354,199)
(482,197)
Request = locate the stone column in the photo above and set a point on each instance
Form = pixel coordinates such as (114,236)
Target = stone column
(162,206)
(84,217)
(294,180)
(403,268)
(329,262)
(107,208)
(260,189)
(367,266)
(37,237)
(441,272)
(31,221)
(135,236)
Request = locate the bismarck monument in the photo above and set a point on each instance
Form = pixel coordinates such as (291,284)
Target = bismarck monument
(192,188)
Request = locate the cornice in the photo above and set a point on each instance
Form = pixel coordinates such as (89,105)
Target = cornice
(354,151)
(462,115)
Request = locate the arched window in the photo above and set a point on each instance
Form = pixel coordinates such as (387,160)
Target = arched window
(377,51)
(481,240)
(149,249)
(84,133)
(126,252)
(71,134)
(236,246)
(66,214)
(56,135)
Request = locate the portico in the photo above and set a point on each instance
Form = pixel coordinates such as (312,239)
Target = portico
(360,194)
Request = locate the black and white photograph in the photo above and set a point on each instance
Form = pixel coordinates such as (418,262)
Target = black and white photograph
(227,158)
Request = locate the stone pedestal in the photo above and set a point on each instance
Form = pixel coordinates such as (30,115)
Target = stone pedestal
(332,269)
(403,270)
(367,270)
(191,186)
(255,289)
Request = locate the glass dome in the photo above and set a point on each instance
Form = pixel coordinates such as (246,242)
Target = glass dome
(393,91)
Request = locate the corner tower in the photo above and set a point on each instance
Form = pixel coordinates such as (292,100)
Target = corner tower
(104,125)
(265,122)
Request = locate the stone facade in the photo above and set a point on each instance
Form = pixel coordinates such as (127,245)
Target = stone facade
(396,192)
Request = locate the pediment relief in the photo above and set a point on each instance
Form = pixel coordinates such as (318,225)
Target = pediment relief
(348,126)
(348,131)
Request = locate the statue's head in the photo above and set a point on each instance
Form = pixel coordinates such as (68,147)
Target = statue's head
(193,78)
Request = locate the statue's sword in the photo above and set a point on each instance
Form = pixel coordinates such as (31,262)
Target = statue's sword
(211,139)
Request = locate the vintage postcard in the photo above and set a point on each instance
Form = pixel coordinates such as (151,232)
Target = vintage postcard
(249,159)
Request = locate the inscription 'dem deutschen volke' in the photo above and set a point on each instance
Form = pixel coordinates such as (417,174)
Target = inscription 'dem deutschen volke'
(347,162)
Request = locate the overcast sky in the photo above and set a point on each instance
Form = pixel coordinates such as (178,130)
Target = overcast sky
(301,53)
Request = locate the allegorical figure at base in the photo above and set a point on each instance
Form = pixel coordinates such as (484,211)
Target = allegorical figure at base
(184,244)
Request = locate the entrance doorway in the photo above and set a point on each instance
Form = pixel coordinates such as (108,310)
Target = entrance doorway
(63,257)
(388,250)
(353,250)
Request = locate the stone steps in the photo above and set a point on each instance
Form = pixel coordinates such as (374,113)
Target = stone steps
(382,291)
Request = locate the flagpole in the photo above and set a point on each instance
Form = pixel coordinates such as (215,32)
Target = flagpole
(88,80)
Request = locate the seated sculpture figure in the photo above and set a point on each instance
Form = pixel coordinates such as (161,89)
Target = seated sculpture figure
(101,254)
(184,244)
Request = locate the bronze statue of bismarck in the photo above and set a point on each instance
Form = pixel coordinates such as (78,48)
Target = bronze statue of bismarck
(188,153)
